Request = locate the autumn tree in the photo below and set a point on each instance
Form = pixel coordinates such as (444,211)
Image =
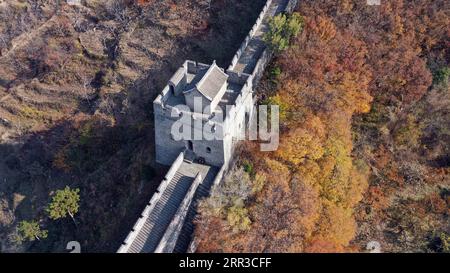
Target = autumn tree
(311,183)
(405,44)
(357,100)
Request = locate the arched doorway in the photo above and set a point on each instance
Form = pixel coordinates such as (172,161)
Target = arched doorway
(190,145)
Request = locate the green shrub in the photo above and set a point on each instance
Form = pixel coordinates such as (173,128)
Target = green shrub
(64,202)
(282,28)
(248,167)
(440,77)
(30,231)
(275,74)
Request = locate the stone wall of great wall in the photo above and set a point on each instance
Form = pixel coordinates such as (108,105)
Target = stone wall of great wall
(250,35)
(169,239)
(261,64)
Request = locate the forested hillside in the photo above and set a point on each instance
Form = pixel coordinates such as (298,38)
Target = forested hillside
(364,153)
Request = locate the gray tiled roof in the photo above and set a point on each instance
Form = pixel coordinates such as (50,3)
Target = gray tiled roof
(209,82)
(177,76)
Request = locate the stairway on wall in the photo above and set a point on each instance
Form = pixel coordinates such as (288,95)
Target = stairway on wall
(149,235)
(155,225)
(187,231)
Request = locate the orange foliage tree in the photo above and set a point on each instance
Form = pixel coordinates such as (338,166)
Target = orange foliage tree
(311,184)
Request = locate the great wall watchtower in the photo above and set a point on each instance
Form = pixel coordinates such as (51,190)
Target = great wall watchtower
(226,102)
(197,165)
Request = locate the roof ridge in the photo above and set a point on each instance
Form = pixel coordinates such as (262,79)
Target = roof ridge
(199,85)
(203,79)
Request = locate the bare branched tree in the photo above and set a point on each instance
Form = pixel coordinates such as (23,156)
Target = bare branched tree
(86,89)
(120,11)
